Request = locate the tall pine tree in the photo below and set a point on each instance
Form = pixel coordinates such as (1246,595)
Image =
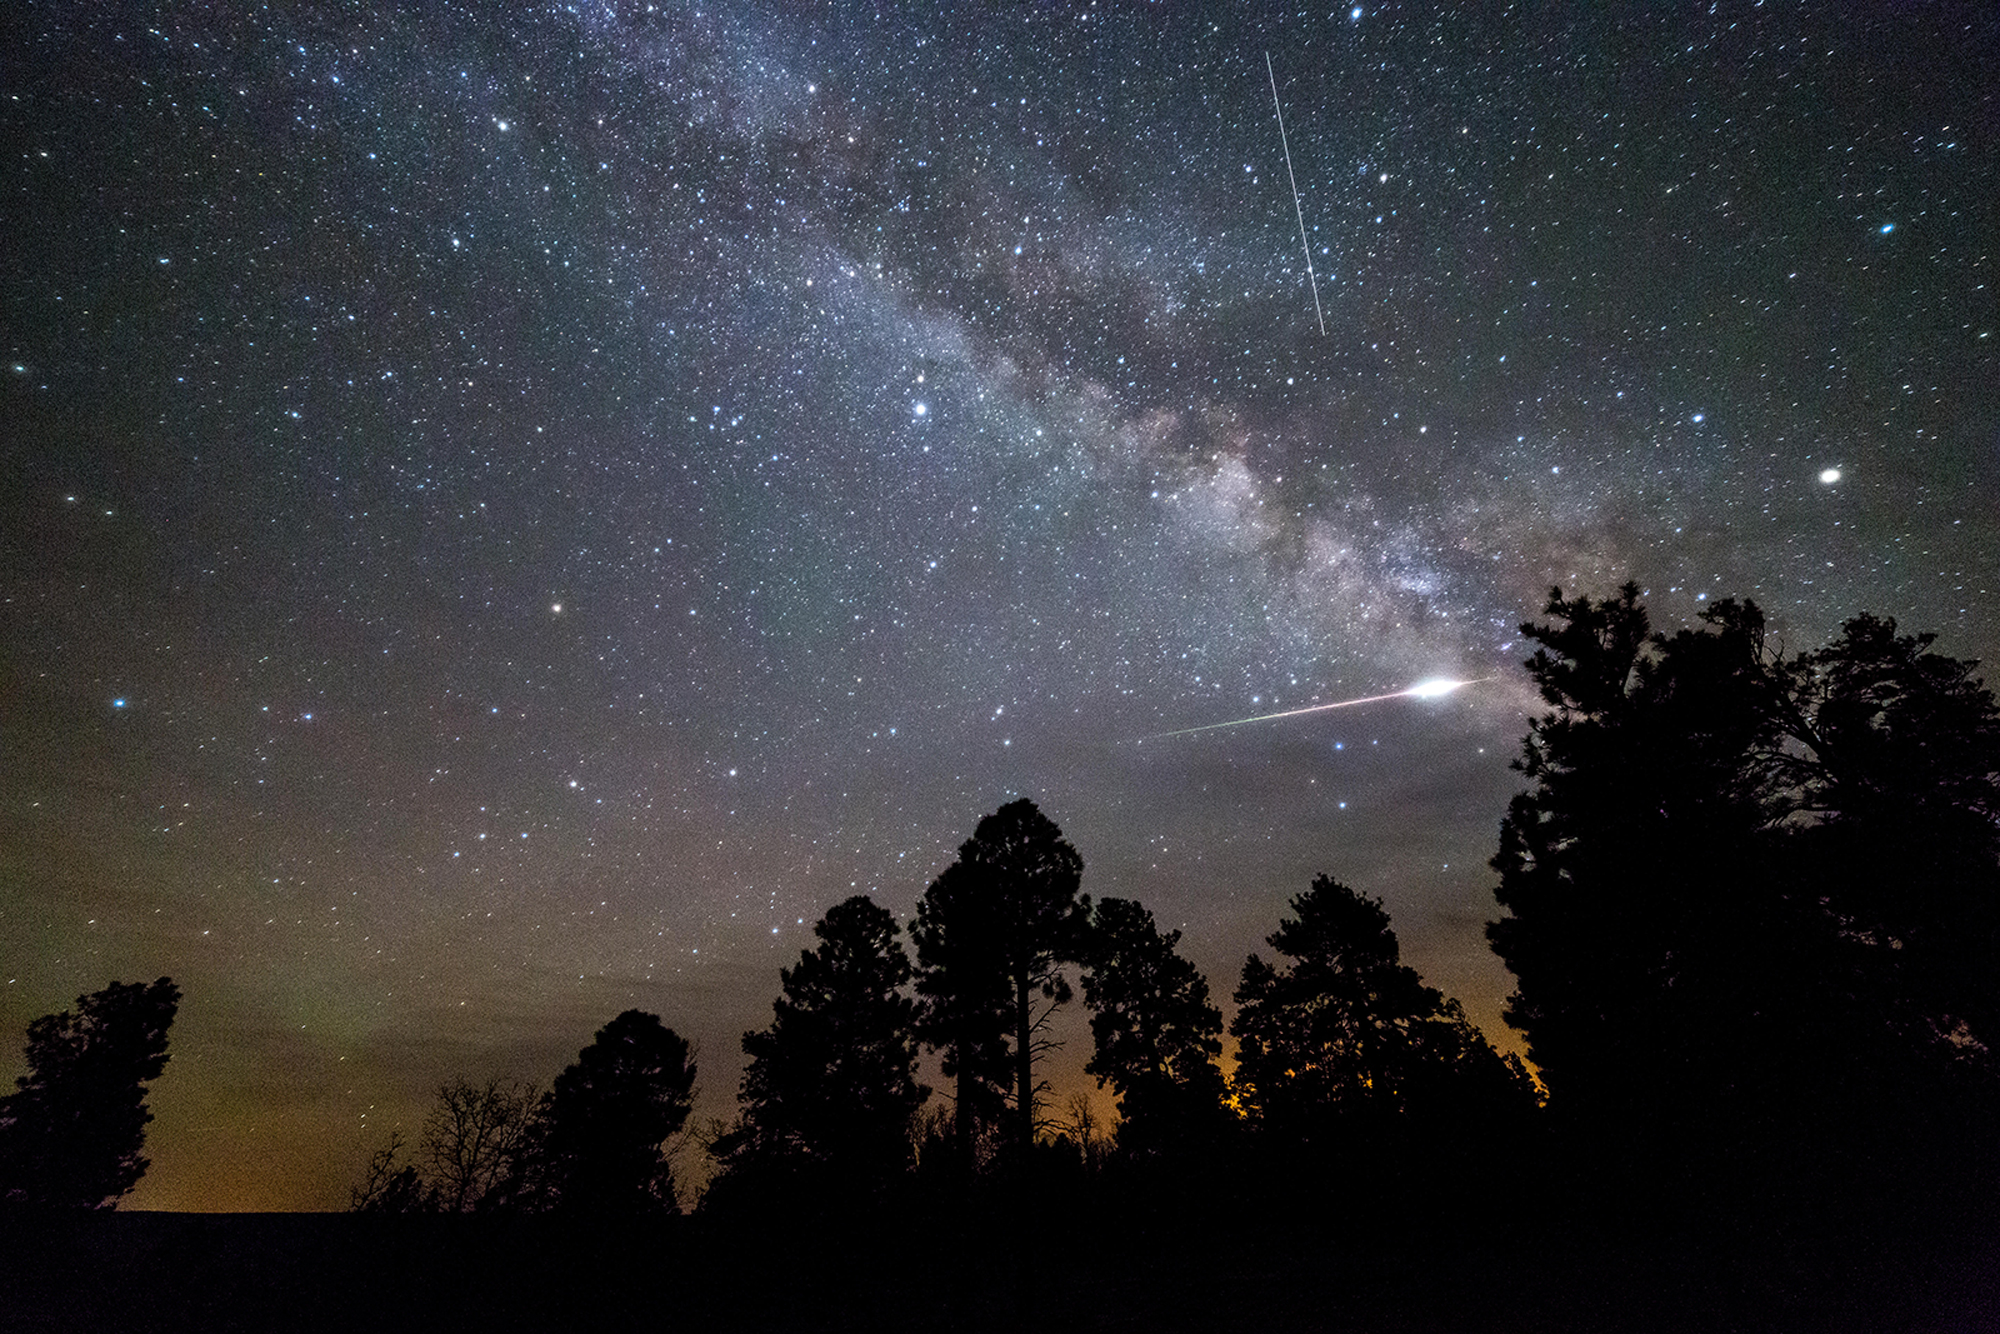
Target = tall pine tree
(993,933)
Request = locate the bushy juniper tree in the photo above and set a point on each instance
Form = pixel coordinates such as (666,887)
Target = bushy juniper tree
(73,1132)
(1156,1034)
(602,1128)
(1348,1041)
(831,1084)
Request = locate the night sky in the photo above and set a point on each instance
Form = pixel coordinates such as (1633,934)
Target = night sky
(510,512)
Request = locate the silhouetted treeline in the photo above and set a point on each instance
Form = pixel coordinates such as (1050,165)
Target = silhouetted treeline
(1349,1068)
(1752,908)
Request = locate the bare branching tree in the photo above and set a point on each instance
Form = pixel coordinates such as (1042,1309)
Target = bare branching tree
(389,1186)
(1083,1125)
(473,1140)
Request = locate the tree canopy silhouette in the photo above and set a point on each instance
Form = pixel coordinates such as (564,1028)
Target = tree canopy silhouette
(1349,1040)
(603,1126)
(1754,900)
(73,1132)
(830,1084)
(992,934)
(1156,1034)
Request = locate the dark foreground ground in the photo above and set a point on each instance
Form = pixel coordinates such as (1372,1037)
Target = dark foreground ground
(138,1271)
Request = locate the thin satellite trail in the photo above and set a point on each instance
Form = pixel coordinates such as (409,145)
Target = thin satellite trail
(1297,207)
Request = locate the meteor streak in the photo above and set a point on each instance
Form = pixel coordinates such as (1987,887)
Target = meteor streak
(1435,688)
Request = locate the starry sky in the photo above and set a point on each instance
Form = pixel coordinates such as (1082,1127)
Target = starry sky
(507,513)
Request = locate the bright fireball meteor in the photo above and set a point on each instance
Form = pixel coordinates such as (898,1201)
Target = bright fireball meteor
(1434,688)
